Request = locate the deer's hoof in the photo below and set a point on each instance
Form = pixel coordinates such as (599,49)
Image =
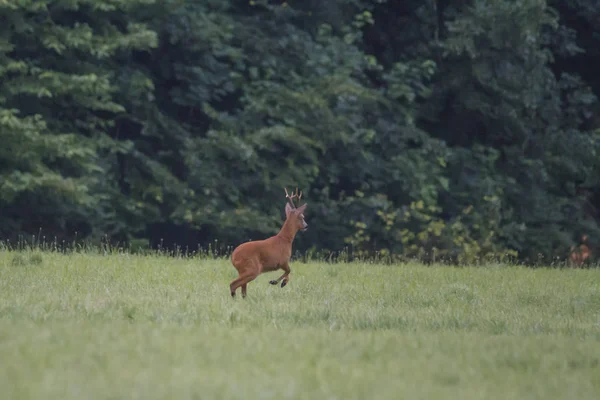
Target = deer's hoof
(232,294)
(283,283)
(273,282)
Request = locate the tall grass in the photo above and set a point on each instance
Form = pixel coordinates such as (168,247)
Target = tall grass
(112,324)
(219,250)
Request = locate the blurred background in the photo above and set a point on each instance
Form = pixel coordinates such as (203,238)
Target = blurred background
(435,129)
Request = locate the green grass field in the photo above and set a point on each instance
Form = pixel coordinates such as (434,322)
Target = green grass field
(123,326)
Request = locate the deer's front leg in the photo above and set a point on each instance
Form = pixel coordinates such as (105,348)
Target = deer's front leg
(285,277)
(286,274)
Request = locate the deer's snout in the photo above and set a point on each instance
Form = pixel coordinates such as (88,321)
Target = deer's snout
(304,226)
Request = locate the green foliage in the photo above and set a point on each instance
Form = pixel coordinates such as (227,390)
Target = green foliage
(440,129)
(57,105)
(509,104)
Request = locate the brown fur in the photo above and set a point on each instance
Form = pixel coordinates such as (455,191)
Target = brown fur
(253,258)
(580,254)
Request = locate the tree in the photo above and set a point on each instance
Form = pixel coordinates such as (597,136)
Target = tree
(57,104)
(498,95)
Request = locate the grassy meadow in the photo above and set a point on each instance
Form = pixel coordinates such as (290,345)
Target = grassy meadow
(151,327)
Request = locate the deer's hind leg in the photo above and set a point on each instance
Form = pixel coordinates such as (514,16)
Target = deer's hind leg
(247,274)
(243,282)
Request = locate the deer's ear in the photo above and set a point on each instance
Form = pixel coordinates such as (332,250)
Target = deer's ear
(302,208)
(288,209)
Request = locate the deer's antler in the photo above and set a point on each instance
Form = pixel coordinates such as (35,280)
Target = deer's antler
(290,197)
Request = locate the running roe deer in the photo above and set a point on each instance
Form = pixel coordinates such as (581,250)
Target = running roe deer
(253,258)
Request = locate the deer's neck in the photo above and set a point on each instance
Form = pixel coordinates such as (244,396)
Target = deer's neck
(287,232)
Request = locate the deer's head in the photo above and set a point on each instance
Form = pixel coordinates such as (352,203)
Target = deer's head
(295,214)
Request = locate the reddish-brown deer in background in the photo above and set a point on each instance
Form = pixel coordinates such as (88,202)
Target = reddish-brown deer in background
(579,254)
(253,258)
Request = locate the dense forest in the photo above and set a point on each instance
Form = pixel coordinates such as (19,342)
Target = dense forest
(439,129)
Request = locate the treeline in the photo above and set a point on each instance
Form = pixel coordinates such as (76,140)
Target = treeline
(423,128)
